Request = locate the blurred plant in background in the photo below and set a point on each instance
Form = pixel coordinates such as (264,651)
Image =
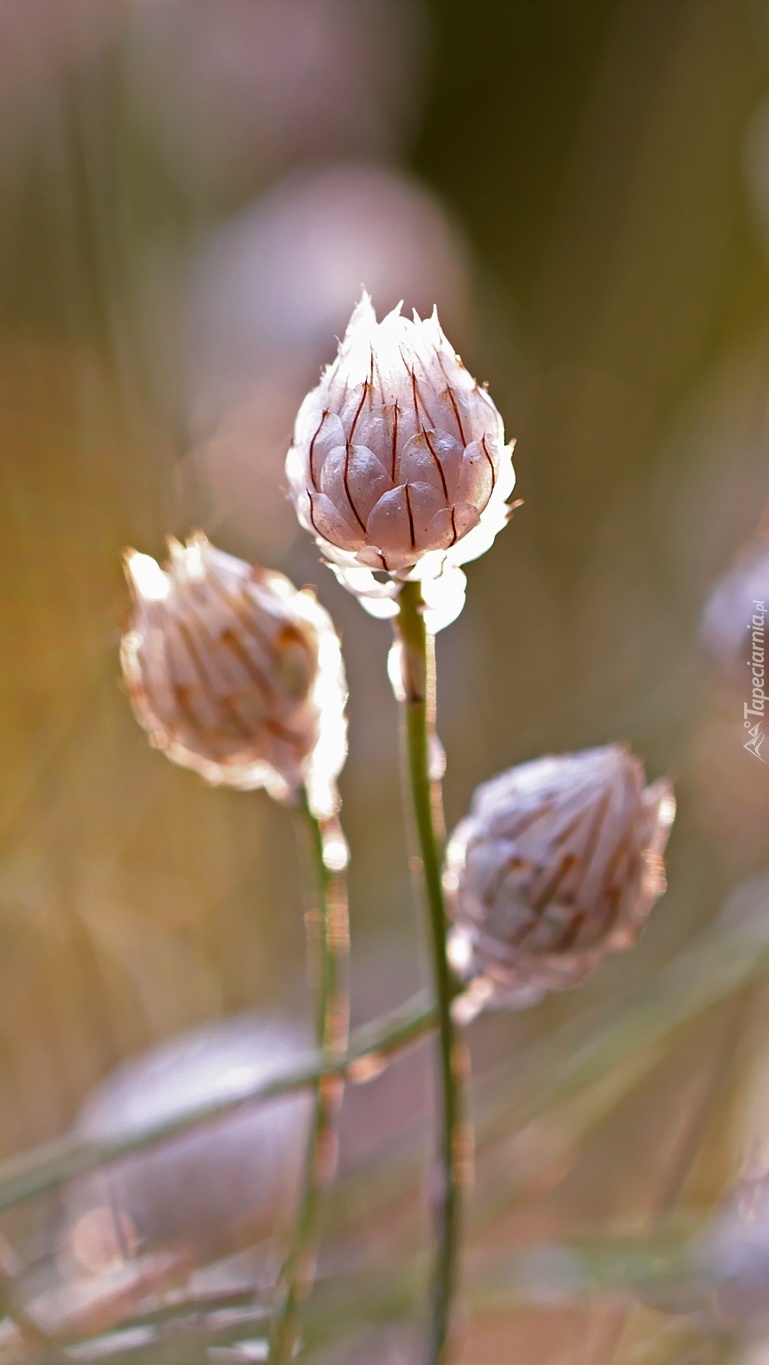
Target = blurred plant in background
(192,195)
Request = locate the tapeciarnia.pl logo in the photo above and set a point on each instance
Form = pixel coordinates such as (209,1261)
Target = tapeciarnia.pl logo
(757,705)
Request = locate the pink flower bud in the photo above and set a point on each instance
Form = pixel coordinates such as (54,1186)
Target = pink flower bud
(399,464)
(235,673)
(557,865)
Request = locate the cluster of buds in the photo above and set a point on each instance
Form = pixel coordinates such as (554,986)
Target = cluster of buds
(399,466)
(557,865)
(236,674)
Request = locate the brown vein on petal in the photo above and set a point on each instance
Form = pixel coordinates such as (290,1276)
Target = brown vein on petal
(527,821)
(438,464)
(512,864)
(417,397)
(570,933)
(491,463)
(573,825)
(241,608)
(454,405)
(236,720)
(411,516)
(394,452)
(518,938)
(313,522)
(282,732)
(312,451)
(181,693)
(231,641)
(377,387)
(425,408)
(594,832)
(229,638)
(623,847)
(611,890)
(454,525)
(192,649)
(358,412)
(346,480)
(562,868)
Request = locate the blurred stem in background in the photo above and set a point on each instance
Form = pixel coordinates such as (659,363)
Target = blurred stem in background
(414,669)
(327,929)
(33,1337)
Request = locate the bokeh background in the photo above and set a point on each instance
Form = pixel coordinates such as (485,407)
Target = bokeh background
(192,193)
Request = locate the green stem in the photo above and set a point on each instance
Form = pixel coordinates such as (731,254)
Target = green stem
(327,929)
(46,1168)
(721,962)
(416,665)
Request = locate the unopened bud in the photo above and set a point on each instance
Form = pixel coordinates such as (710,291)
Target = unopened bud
(557,865)
(735,1252)
(235,673)
(733,629)
(212,1189)
(399,465)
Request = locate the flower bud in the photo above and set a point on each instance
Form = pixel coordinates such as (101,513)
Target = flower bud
(235,673)
(556,866)
(209,1190)
(733,623)
(399,465)
(735,1254)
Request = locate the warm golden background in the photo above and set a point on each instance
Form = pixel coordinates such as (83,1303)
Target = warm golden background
(191,194)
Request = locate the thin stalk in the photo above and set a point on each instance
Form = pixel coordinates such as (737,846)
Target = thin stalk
(54,1164)
(416,664)
(721,962)
(327,930)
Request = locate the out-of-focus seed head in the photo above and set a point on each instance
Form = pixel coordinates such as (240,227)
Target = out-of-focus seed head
(733,623)
(557,865)
(235,673)
(399,465)
(735,1255)
(211,1190)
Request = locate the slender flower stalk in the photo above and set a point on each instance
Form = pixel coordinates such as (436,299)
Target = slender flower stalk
(413,671)
(327,929)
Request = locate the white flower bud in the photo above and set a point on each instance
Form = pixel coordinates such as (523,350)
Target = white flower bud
(399,465)
(556,866)
(235,673)
(212,1189)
